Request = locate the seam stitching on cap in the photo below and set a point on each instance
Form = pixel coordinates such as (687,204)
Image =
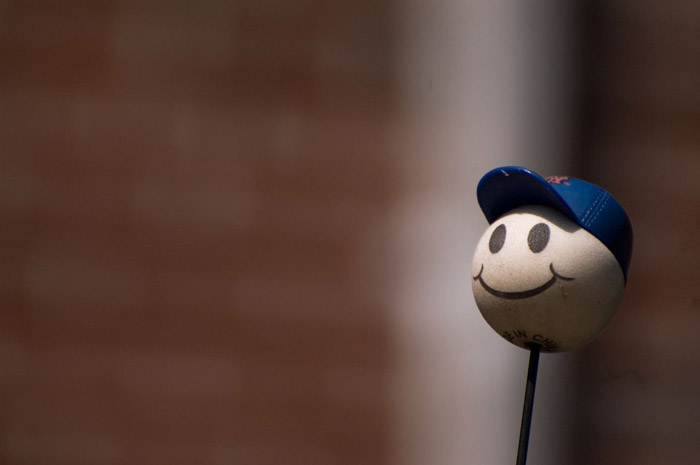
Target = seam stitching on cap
(602,207)
(592,207)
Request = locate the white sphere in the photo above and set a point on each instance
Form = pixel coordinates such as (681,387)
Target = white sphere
(540,278)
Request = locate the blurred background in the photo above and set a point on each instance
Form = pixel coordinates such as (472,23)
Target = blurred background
(240,232)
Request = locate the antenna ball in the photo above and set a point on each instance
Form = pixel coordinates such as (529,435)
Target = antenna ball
(539,278)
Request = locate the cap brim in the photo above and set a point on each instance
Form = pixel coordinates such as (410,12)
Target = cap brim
(509,187)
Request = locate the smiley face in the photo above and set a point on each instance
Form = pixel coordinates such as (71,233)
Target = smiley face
(538,277)
(537,240)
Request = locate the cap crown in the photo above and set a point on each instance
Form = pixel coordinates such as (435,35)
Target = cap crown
(589,206)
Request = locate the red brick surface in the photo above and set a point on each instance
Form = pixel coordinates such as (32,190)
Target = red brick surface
(640,383)
(185,188)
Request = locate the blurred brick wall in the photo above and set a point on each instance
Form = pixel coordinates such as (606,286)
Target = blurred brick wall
(640,382)
(190,199)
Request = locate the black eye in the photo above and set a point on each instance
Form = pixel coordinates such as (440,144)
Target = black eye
(498,238)
(538,237)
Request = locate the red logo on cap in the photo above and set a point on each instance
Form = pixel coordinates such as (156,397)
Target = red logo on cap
(558,180)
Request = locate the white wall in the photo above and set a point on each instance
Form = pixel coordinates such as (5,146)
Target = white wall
(484,84)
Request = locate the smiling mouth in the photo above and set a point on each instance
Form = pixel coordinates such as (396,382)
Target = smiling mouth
(520,294)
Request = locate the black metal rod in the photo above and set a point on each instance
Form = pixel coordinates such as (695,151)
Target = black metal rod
(527,405)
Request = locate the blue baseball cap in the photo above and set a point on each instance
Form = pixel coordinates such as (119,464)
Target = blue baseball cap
(589,206)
